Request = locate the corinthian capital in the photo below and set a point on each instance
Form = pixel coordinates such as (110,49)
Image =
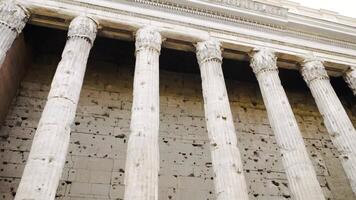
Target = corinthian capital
(13,16)
(209,50)
(263,59)
(313,69)
(350,78)
(83,27)
(148,37)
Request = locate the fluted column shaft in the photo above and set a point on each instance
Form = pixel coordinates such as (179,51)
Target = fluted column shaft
(337,123)
(229,179)
(300,172)
(50,144)
(142,163)
(350,78)
(13,19)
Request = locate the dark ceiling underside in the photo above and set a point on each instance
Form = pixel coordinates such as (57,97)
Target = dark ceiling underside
(51,41)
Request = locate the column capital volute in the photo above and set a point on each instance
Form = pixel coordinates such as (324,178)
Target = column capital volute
(313,69)
(83,27)
(263,59)
(13,15)
(148,37)
(209,50)
(350,78)
(351,69)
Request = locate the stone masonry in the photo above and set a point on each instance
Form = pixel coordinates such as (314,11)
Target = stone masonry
(95,165)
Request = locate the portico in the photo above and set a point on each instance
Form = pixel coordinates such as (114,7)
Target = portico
(212,43)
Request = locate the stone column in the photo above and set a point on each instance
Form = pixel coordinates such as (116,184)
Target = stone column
(337,122)
(350,78)
(142,164)
(49,148)
(299,169)
(229,179)
(13,19)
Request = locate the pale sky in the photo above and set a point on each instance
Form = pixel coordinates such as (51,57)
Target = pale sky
(344,7)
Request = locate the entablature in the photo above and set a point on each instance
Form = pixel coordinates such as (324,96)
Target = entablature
(240,25)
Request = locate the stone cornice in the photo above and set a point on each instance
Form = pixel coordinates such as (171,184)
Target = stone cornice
(205,8)
(241,14)
(255,6)
(344,36)
(187,25)
(253,23)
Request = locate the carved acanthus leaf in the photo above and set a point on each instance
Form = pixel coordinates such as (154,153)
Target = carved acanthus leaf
(263,59)
(13,16)
(209,50)
(350,78)
(83,27)
(148,37)
(313,69)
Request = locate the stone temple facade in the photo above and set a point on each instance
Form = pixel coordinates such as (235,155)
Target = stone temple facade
(176,100)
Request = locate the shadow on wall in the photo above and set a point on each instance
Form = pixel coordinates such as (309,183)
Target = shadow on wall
(12,72)
(51,41)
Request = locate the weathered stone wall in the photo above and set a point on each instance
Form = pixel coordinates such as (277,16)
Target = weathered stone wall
(11,73)
(96,158)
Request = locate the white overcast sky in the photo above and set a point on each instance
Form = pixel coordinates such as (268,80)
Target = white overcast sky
(344,7)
